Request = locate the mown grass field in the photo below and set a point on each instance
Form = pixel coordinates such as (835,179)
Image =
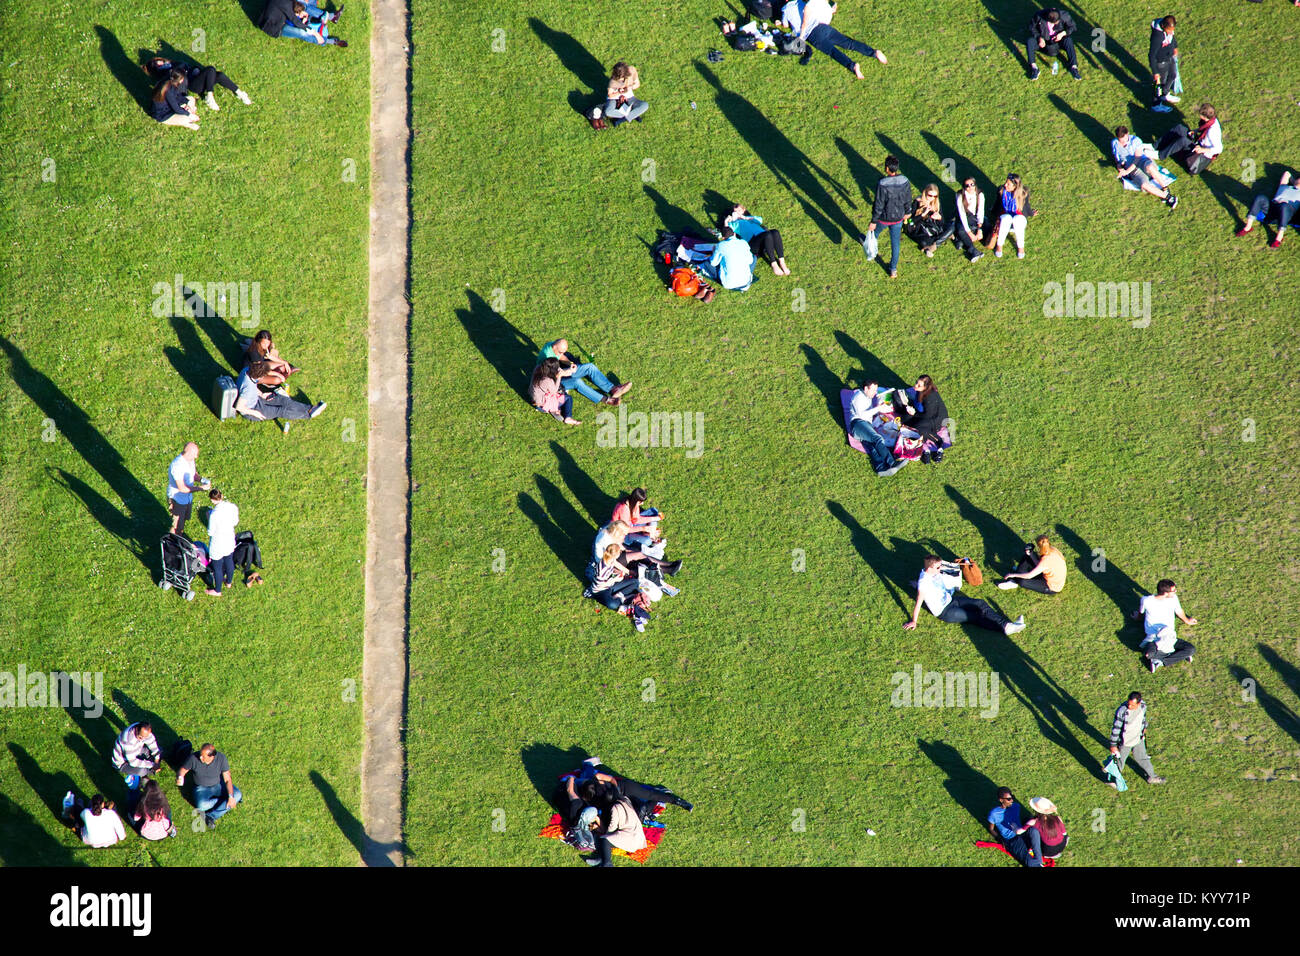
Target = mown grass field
(101,204)
(770,702)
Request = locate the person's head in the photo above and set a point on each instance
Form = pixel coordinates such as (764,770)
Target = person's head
(1005,798)
(891,165)
(930,195)
(143,729)
(727,232)
(867,386)
(924,386)
(636,496)
(1121,134)
(299,10)
(739,210)
(216,495)
(1206,113)
(1165,587)
(1167,24)
(1013,181)
(155,65)
(621,71)
(618,530)
(190,451)
(1053,16)
(560,346)
(1134,700)
(547,368)
(1043,543)
(930,564)
(263,341)
(612,551)
(969,187)
(97,803)
(151,797)
(207,753)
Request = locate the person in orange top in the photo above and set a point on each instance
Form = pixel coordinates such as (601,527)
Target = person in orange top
(1041,570)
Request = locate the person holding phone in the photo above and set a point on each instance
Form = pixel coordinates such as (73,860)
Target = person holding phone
(182,479)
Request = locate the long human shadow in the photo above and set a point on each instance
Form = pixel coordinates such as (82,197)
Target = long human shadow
(230,342)
(564,529)
(98,770)
(545,763)
(673,218)
(119,525)
(598,504)
(963,166)
(372,853)
(1008,20)
(716,206)
(144,516)
(1106,577)
(897,566)
(191,361)
(1126,69)
(915,169)
(252,9)
(1286,719)
(508,350)
(967,786)
(575,58)
(1233,195)
(49,787)
(1003,548)
(163,732)
(825,381)
(865,176)
(1283,715)
(24,842)
(787,162)
(870,367)
(133,79)
(1093,129)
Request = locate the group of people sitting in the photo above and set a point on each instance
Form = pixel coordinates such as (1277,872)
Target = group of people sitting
(604,812)
(179,84)
(808,24)
(742,239)
(300,20)
(137,757)
(899,425)
(261,385)
(627,567)
(559,372)
(1029,840)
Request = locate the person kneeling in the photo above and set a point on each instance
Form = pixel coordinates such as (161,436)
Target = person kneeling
(939,588)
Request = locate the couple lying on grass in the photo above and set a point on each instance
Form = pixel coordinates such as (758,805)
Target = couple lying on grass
(899,425)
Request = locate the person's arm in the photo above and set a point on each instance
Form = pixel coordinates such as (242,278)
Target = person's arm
(877,206)
(1117,729)
(117,827)
(636,80)
(250,411)
(1153,50)
(716,258)
(1033,572)
(180,776)
(605,778)
(1184,618)
(230,788)
(1067,26)
(916,611)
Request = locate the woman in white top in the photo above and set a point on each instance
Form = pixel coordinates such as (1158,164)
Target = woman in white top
(100,826)
(221,541)
(1195,149)
(970,232)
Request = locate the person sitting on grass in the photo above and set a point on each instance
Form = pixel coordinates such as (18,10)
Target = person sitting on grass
(1137,168)
(1043,571)
(864,409)
(136,753)
(153,814)
(1004,824)
(1044,831)
(1281,209)
(618,825)
(1196,150)
(927,225)
(299,21)
(215,793)
(732,263)
(1158,612)
(97,825)
(763,242)
(939,588)
(616,586)
(616,532)
(1015,214)
(925,414)
(547,393)
(172,105)
(643,523)
(201,80)
(274,370)
(257,406)
(583,377)
(620,105)
(1051,31)
(972,230)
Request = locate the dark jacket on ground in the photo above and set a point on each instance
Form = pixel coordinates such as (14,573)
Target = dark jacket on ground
(893,200)
(1160,57)
(1041,29)
(932,416)
(274,16)
(174,101)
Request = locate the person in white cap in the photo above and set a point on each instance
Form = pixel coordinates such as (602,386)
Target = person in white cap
(1044,831)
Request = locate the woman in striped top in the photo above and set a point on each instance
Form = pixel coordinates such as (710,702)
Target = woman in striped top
(615,586)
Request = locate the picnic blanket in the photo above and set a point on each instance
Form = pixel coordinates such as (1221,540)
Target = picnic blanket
(654,833)
(887,424)
(991,845)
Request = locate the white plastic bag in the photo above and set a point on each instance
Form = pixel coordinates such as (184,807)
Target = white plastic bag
(870,246)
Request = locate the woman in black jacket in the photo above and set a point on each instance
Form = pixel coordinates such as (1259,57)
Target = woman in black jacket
(928,416)
(171,105)
(202,80)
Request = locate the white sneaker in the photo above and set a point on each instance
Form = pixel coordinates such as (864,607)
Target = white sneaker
(318,409)
(1170,98)
(243,97)
(1007,585)
(1020,253)
(1014,627)
(212,102)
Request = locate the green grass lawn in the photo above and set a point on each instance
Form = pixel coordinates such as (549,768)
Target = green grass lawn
(100,205)
(770,702)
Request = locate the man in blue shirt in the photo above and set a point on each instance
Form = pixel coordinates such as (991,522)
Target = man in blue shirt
(1137,168)
(1004,821)
(732,263)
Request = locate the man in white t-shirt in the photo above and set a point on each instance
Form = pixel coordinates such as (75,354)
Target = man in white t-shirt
(1158,612)
(182,479)
(939,588)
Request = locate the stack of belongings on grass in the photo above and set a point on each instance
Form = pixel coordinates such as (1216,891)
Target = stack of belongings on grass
(682,253)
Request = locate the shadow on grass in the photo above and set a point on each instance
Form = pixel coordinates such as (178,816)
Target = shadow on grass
(1096,132)
(1094,565)
(674,218)
(124,70)
(1003,548)
(24,842)
(967,786)
(807,181)
(566,532)
(49,787)
(1278,711)
(508,350)
(897,566)
(963,166)
(598,504)
(870,368)
(191,361)
(544,764)
(133,713)
(575,58)
(1114,57)
(144,519)
(825,381)
(372,853)
(119,525)
(1008,20)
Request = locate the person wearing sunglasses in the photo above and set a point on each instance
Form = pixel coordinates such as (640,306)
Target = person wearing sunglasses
(971,232)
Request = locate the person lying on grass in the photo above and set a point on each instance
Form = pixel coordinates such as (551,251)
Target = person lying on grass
(254,405)
(939,588)
(1281,209)
(1136,165)
(764,243)
(582,377)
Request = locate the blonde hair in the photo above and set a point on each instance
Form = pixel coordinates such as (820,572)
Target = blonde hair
(612,551)
(619,526)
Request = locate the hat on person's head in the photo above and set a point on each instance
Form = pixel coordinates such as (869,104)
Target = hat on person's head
(1042,805)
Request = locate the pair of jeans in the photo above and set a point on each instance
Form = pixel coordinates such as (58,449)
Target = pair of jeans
(617,595)
(314,16)
(576,381)
(276,405)
(878,450)
(1038,584)
(826,38)
(630,109)
(1019,847)
(1263,209)
(1052,49)
(1162,81)
(213,801)
(1139,752)
(1182,650)
(962,609)
(1034,839)
(648,794)
(223,571)
(895,237)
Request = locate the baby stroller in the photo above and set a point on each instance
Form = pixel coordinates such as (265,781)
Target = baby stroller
(182,560)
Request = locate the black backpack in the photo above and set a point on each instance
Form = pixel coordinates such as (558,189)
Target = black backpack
(761,9)
(744,42)
(788,44)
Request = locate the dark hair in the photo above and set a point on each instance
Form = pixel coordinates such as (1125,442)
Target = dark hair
(1050,826)
(153,802)
(1053,16)
(891,165)
(1005,792)
(175,78)
(145,726)
(929,388)
(1168,22)
(727,232)
(216,495)
(589,791)
(206,748)
(1121,131)
(1136,695)
(263,335)
(1164,586)
(548,368)
(97,803)
(634,497)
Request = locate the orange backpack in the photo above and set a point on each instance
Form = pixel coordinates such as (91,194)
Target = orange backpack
(684,282)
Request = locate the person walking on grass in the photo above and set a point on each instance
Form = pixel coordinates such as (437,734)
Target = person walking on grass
(1128,736)
(891,206)
(221,541)
(182,479)
(1158,612)
(939,589)
(815,29)
(1161,57)
(215,793)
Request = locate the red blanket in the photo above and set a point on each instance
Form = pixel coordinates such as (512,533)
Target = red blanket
(989,844)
